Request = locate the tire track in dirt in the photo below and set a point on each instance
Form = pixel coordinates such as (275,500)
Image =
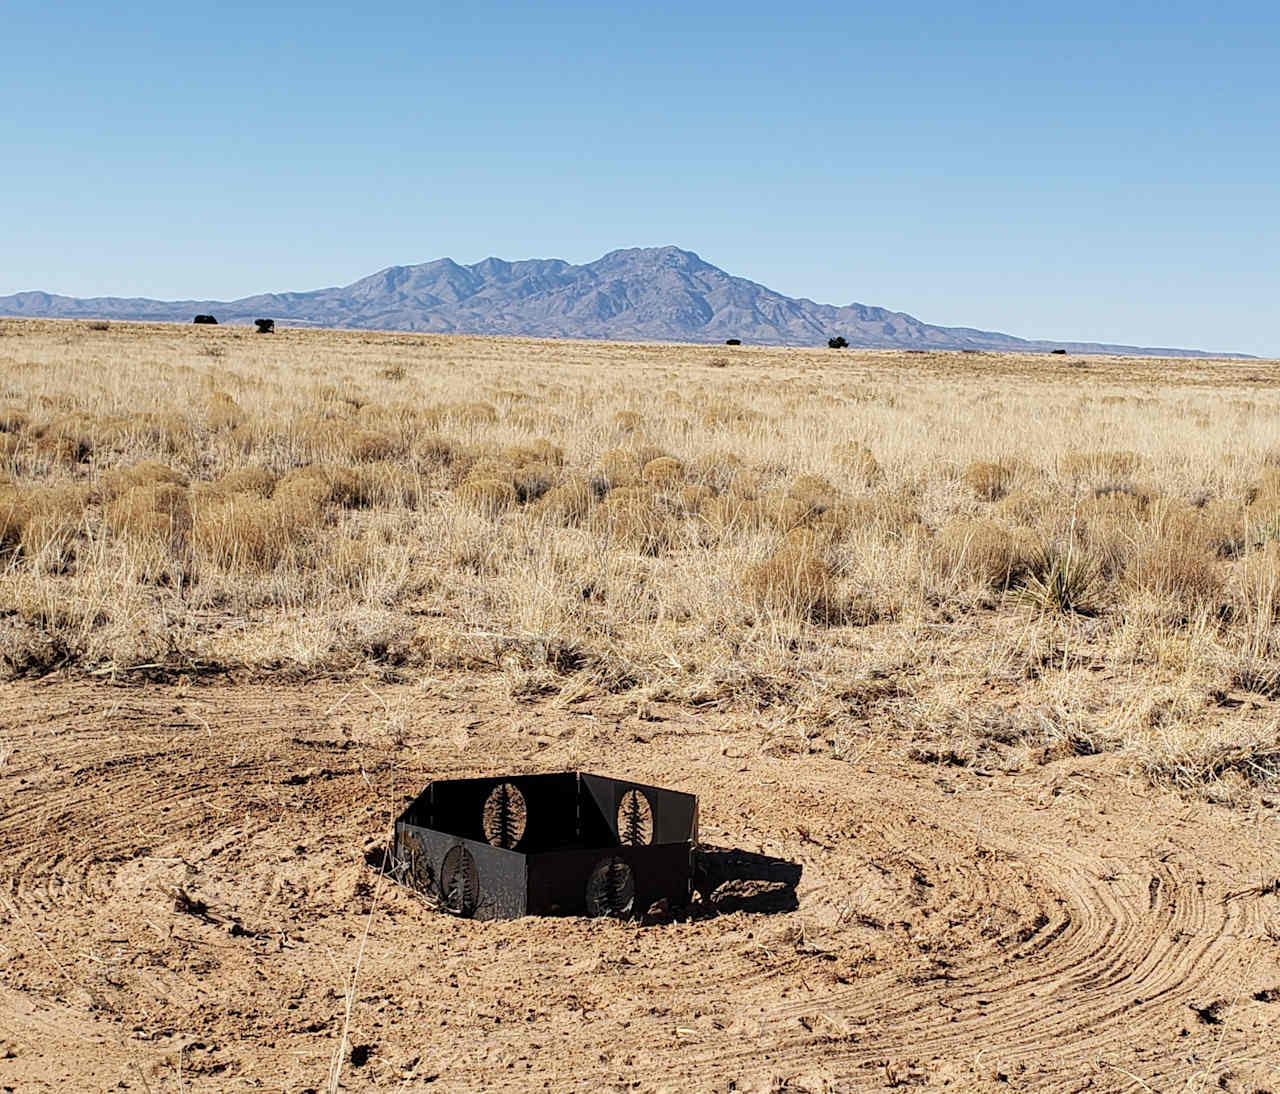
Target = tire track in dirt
(931,929)
(1092,971)
(1092,960)
(94,844)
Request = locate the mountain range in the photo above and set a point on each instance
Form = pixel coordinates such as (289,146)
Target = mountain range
(661,294)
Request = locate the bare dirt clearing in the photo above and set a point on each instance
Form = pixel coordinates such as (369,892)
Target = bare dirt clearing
(1053,928)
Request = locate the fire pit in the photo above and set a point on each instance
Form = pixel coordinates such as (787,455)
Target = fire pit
(567,843)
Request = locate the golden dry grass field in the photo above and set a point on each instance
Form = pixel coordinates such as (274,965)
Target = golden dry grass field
(989,644)
(988,556)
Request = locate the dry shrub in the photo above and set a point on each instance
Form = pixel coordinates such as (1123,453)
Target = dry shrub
(473,413)
(784,511)
(60,450)
(1119,497)
(68,439)
(13,517)
(341,401)
(1062,579)
(246,480)
(1105,465)
(529,480)
(352,559)
(815,491)
(489,497)
(819,536)
(334,406)
(529,420)
(433,418)
(693,499)
(883,514)
(54,517)
(1215,528)
(317,485)
(620,467)
(636,492)
(430,449)
(568,504)
(745,484)
(663,471)
(249,532)
(320,439)
(245,438)
(222,412)
(1224,525)
(147,473)
(988,481)
(729,513)
(795,580)
(389,485)
(648,453)
(857,459)
(298,508)
(490,467)
(541,452)
(716,469)
(729,414)
(985,553)
(533,480)
(1264,489)
(1112,522)
(1262,517)
(1255,585)
(368,445)
(1025,506)
(9,445)
(386,419)
(634,520)
(63,401)
(164,431)
(306,487)
(157,513)
(628,420)
(1175,571)
(13,420)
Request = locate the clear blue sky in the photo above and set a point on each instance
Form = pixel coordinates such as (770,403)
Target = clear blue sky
(1085,170)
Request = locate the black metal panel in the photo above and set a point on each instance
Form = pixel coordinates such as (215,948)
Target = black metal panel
(675,815)
(418,859)
(558,879)
(457,806)
(418,811)
(511,845)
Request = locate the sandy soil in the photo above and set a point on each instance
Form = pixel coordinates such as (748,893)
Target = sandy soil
(1053,929)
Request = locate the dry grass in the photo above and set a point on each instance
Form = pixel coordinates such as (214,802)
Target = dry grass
(984,553)
(488,496)
(988,481)
(783,528)
(796,580)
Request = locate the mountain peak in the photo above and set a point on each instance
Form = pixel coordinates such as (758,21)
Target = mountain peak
(646,256)
(659,294)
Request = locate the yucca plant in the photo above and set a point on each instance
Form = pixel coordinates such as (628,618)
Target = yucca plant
(1061,581)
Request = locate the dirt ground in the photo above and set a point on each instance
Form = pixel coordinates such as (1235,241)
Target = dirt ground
(184,894)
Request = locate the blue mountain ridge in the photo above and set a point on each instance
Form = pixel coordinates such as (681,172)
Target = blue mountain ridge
(653,294)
